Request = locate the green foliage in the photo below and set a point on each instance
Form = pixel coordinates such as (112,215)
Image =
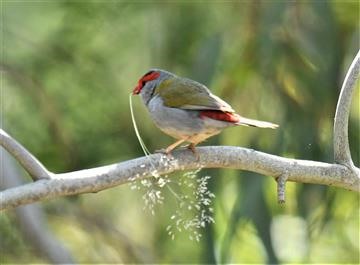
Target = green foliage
(70,65)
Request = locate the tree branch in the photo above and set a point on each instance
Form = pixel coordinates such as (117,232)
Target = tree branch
(342,153)
(97,179)
(33,166)
(342,174)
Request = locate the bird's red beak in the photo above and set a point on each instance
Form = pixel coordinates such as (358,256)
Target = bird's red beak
(137,89)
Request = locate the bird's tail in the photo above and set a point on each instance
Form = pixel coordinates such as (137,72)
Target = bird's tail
(256,123)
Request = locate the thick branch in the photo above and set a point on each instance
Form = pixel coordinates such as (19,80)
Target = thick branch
(342,153)
(24,157)
(97,179)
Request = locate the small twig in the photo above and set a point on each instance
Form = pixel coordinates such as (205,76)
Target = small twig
(24,157)
(342,153)
(281,188)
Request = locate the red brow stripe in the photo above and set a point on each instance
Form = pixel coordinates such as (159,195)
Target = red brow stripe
(219,115)
(147,77)
(150,77)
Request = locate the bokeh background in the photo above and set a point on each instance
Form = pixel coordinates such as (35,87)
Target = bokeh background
(67,70)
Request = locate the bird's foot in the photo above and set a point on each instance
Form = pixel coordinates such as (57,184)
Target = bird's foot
(168,149)
(193,150)
(165,151)
(160,151)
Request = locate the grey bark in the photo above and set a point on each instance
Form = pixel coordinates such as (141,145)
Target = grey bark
(100,178)
(342,153)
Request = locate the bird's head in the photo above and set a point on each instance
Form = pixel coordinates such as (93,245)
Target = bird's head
(148,83)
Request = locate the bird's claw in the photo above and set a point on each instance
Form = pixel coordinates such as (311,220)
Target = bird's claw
(164,152)
(161,151)
(193,150)
(167,151)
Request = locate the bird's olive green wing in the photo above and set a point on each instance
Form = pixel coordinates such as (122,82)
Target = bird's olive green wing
(187,94)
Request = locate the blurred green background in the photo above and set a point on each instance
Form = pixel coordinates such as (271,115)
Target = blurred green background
(69,66)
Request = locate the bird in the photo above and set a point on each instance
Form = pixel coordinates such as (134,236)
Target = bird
(187,110)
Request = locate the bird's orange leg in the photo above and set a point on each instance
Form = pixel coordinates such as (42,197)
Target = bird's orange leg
(171,147)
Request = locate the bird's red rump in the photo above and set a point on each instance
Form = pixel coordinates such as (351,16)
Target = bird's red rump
(219,115)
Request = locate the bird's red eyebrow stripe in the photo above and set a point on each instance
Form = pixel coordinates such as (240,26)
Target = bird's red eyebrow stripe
(151,76)
(219,115)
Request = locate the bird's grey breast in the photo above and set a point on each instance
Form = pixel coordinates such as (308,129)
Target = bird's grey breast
(174,121)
